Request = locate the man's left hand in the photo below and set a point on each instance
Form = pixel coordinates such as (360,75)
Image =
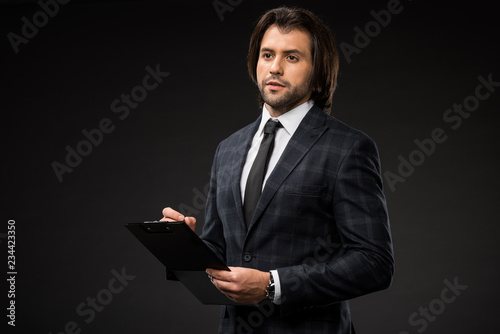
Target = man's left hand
(242,285)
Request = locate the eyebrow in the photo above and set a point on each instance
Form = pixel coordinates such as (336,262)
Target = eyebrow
(285,52)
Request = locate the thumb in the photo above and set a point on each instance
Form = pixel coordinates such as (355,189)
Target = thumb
(191,222)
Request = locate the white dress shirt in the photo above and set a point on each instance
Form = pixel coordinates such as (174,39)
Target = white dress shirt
(290,121)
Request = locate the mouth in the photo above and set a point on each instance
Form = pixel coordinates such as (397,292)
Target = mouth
(275,85)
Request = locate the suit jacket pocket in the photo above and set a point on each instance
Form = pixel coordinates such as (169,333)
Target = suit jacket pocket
(305,190)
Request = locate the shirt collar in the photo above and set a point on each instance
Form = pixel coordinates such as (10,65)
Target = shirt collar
(290,120)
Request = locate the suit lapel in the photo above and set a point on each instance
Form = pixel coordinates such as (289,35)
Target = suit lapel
(309,131)
(239,158)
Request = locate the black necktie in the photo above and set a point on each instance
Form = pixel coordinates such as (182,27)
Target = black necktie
(258,170)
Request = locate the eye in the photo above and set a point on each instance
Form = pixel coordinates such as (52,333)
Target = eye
(293,58)
(267,55)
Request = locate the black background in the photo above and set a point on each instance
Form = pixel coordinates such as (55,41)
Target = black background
(70,234)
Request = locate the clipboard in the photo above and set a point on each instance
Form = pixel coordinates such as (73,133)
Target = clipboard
(182,251)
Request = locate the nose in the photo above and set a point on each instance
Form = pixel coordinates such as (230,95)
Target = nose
(276,68)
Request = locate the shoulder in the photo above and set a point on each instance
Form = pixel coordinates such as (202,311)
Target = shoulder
(354,146)
(337,132)
(242,133)
(342,129)
(238,140)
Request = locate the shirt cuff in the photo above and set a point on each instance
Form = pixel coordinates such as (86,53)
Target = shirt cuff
(277,287)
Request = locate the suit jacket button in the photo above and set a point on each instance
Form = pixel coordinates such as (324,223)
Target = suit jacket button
(247,257)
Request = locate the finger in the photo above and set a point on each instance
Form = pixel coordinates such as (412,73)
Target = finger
(226,288)
(220,275)
(191,222)
(170,214)
(211,272)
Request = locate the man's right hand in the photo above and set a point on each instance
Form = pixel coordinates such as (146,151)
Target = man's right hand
(170,215)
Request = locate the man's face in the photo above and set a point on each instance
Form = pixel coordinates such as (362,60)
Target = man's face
(284,69)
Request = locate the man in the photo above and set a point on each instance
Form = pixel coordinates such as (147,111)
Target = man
(318,234)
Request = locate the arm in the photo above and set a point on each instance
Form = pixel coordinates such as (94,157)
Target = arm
(213,233)
(364,263)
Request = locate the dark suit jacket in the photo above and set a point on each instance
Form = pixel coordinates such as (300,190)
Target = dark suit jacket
(321,221)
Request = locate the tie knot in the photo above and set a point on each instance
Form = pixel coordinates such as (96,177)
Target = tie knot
(271,126)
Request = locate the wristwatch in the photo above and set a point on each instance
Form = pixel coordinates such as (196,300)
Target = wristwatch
(270,287)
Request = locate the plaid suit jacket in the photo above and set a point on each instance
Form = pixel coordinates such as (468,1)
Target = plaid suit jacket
(321,221)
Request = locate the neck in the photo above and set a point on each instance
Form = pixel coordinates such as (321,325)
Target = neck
(276,112)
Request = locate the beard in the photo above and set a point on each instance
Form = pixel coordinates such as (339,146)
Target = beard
(284,102)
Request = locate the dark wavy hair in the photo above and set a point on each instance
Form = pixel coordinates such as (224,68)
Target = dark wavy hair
(324,52)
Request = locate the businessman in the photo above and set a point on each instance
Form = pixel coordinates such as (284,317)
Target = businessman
(296,206)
